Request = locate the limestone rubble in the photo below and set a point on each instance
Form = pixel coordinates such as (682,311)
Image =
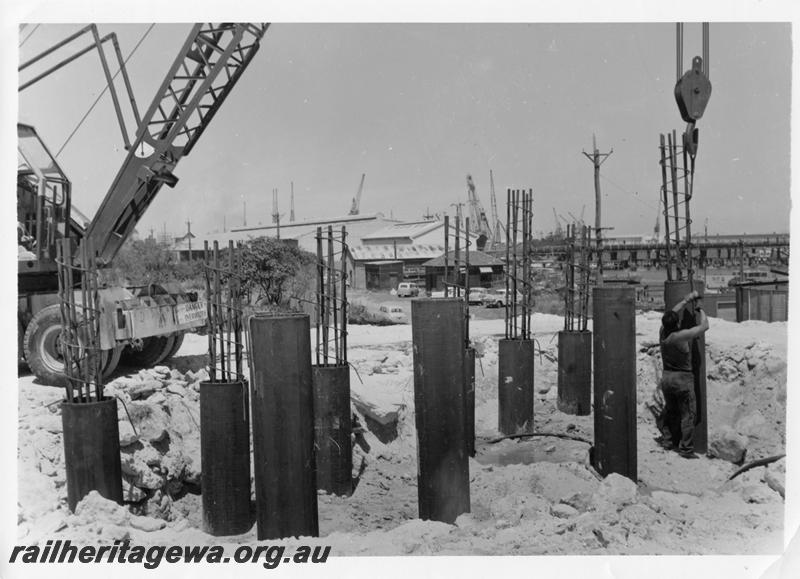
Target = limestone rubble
(532,496)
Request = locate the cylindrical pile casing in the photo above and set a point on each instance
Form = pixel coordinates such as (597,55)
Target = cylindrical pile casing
(515,386)
(225,455)
(332,429)
(614,381)
(469,381)
(575,372)
(437,328)
(91,450)
(282,401)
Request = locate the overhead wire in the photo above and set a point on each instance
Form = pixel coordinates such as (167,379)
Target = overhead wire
(24,40)
(634,195)
(105,88)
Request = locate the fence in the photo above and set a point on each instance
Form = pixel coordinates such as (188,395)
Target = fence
(768,304)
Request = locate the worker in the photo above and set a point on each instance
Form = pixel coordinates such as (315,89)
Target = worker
(677,382)
(24,244)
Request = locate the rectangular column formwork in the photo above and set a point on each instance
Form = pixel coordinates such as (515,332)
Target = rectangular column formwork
(437,328)
(282,401)
(614,381)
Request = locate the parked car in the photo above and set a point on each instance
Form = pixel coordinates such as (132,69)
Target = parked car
(476,295)
(393,313)
(497,298)
(407,290)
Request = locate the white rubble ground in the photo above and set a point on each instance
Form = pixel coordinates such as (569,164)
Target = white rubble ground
(528,497)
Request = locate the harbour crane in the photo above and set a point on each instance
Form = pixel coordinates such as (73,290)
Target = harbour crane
(497,224)
(355,207)
(559,232)
(478,220)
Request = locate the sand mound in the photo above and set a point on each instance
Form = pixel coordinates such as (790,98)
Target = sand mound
(530,496)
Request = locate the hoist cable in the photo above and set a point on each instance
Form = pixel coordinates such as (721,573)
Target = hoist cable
(24,40)
(679,50)
(105,88)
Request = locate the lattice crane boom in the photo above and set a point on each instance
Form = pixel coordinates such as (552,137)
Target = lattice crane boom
(477,212)
(356,206)
(204,72)
(497,226)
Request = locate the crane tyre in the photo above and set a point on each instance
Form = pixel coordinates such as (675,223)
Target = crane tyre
(154,350)
(176,346)
(167,349)
(111,361)
(42,347)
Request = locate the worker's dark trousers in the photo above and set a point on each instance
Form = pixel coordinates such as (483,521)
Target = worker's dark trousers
(680,409)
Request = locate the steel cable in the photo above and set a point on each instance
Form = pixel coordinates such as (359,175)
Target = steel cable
(102,92)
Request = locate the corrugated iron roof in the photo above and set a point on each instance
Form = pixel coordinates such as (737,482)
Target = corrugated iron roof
(404,230)
(387,252)
(476,258)
(305,231)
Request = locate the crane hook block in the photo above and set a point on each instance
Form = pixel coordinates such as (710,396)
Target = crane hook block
(692,92)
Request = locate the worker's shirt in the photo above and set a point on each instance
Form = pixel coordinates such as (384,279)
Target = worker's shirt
(676,355)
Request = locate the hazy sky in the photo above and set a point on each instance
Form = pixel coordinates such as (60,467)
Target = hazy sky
(418,106)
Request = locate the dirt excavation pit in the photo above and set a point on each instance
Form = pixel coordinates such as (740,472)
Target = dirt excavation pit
(532,496)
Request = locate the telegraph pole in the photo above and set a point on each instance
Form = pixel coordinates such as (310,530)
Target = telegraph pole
(276,218)
(458,207)
(597,158)
(291,213)
(189,237)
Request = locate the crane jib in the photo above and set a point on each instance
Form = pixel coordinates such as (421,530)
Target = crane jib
(210,62)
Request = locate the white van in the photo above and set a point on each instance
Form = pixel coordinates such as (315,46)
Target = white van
(407,290)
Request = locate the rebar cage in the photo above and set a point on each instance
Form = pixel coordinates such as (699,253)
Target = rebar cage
(518,300)
(224,295)
(331,297)
(456,285)
(577,271)
(677,175)
(79,340)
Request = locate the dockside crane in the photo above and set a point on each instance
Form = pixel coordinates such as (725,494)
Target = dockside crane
(498,231)
(559,232)
(356,206)
(478,221)
(657,227)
